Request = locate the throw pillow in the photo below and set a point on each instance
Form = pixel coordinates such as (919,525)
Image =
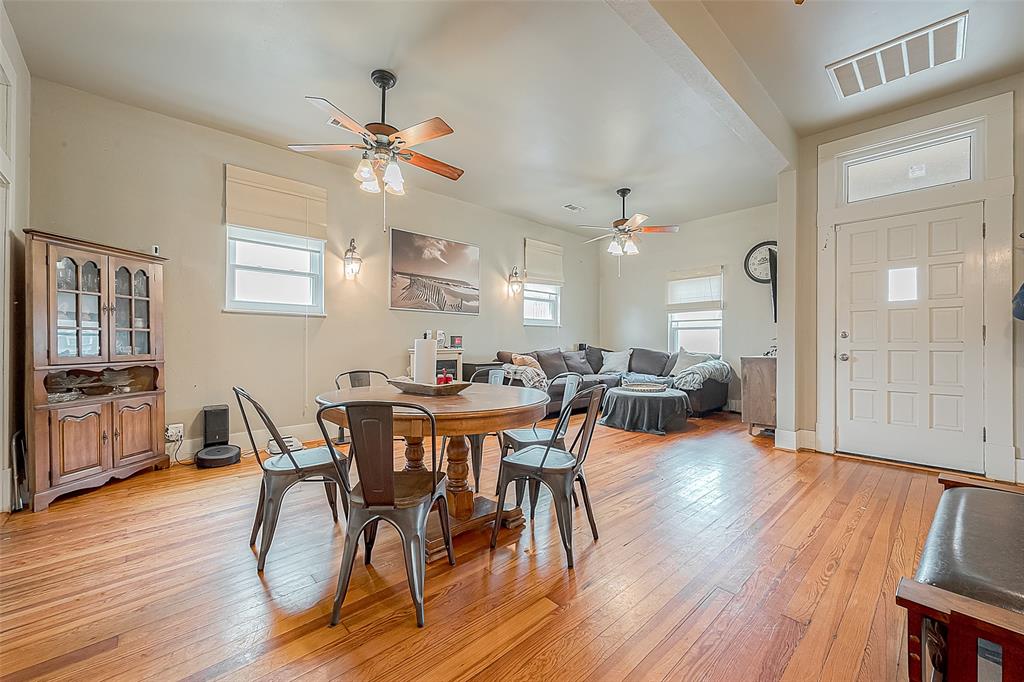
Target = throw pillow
(594,358)
(576,361)
(647,361)
(525,361)
(686,360)
(552,362)
(615,361)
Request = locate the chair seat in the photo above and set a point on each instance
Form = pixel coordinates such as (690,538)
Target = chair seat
(412,488)
(306,459)
(528,436)
(975,545)
(530,457)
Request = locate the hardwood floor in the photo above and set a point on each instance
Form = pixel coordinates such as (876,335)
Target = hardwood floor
(720,558)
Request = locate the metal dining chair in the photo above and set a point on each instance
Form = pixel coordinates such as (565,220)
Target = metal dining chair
(495,377)
(356,378)
(557,468)
(517,439)
(402,498)
(281,472)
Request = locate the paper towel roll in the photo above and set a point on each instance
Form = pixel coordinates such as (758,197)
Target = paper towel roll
(424,362)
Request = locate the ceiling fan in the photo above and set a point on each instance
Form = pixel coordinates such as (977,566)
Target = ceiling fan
(623,232)
(384,145)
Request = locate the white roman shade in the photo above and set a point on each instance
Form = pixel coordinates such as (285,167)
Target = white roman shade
(694,290)
(268,202)
(544,263)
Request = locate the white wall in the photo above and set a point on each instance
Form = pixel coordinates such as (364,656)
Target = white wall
(117,174)
(17,212)
(806,256)
(633,305)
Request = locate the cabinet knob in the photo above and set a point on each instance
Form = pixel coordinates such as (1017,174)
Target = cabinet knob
(117,434)
(844,357)
(105,437)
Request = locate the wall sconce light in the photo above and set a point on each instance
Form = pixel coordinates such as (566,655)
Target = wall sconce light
(353,263)
(515,282)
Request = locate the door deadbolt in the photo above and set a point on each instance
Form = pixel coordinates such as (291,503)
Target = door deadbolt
(844,334)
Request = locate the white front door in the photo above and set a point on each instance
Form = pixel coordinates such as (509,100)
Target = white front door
(909,338)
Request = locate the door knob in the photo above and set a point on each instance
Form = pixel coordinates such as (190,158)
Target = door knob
(844,334)
(844,357)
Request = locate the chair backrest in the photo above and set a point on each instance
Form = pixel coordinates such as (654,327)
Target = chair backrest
(494,376)
(573,382)
(371,425)
(242,394)
(359,378)
(581,443)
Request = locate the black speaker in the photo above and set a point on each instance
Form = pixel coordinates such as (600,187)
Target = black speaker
(215,425)
(216,451)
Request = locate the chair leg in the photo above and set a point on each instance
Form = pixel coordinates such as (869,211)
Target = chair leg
(504,451)
(586,503)
(563,511)
(415,567)
(331,489)
(259,514)
(275,495)
(502,490)
(476,451)
(345,572)
(369,537)
(575,500)
(446,530)
(520,491)
(534,494)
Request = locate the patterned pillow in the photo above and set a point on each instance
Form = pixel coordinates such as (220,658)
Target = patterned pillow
(525,361)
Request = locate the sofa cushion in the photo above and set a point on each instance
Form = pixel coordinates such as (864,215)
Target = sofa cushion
(576,361)
(974,547)
(609,380)
(669,364)
(647,361)
(595,358)
(551,361)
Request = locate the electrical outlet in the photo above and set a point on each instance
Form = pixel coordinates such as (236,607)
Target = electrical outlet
(174,432)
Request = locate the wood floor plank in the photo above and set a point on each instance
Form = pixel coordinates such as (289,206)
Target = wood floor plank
(708,537)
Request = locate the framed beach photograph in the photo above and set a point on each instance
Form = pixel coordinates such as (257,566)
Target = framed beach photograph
(434,274)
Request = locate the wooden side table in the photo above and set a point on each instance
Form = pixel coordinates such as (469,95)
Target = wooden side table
(757,376)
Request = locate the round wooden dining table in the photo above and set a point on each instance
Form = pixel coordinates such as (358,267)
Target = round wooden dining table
(480,409)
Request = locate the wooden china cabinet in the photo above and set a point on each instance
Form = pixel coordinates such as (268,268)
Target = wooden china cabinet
(95,364)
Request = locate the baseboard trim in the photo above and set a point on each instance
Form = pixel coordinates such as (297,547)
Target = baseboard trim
(190,446)
(1001,462)
(6,490)
(1020,471)
(794,440)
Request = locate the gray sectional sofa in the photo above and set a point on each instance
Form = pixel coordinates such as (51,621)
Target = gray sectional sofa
(713,395)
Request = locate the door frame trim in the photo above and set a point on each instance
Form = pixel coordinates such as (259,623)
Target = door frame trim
(994,189)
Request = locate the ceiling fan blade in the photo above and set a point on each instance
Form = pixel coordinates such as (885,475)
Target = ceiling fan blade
(432,165)
(340,117)
(324,147)
(660,228)
(597,239)
(421,132)
(634,221)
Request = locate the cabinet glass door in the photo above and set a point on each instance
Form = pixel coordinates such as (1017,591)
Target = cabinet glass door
(77,306)
(132,331)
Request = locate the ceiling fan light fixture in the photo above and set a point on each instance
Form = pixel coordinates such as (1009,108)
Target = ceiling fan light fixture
(364,171)
(397,190)
(371,186)
(614,247)
(630,248)
(393,174)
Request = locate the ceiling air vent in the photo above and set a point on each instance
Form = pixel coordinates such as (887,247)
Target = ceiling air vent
(922,49)
(572,208)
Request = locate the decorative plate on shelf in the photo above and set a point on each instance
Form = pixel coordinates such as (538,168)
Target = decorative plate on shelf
(644,387)
(407,385)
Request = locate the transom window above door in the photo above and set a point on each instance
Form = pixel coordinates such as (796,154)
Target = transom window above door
(274,272)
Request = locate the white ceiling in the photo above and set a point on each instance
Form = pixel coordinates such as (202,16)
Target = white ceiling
(551,103)
(788,46)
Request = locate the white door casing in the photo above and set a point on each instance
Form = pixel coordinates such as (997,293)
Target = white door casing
(909,338)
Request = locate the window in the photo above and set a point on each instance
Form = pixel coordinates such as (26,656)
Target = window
(274,272)
(541,304)
(698,331)
(694,305)
(937,162)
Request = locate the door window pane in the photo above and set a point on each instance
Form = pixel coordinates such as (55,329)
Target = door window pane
(67,274)
(90,310)
(141,343)
(141,283)
(938,163)
(90,343)
(902,284)
(90,277)
(123,312)
(67,343)
(67,309)
(141,318)
(123,343)
(123,282)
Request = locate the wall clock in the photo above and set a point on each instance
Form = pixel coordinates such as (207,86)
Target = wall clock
(757,265)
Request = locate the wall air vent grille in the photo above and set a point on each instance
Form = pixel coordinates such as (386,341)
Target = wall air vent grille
(572,208)
(925,48)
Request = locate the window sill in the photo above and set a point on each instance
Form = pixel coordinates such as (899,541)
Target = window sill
(541,324)
(284,313)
